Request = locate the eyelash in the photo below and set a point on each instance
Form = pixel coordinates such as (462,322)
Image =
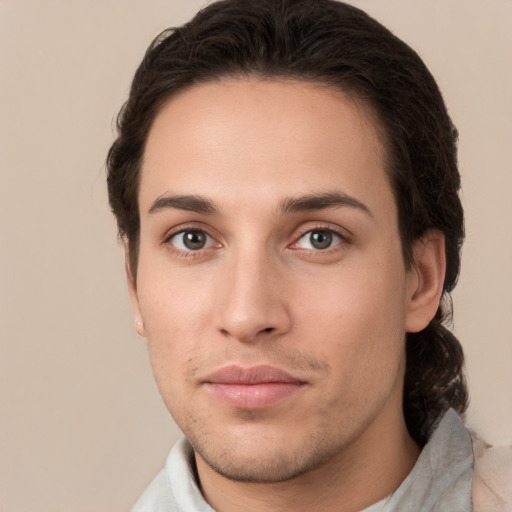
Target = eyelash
(344,240)
(187,229)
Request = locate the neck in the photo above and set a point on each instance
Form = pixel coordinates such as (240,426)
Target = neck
(363,473)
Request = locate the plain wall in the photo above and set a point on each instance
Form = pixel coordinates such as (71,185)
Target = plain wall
(82,426)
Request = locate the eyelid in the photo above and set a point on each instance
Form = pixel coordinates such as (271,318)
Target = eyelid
(307,227)
(187,226)
(183,228)
(343,234)
(335,240)
(174,240)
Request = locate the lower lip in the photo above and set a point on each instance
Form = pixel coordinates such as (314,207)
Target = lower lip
(253,396)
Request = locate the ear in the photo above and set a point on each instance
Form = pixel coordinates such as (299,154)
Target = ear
(132,291)
(426,280)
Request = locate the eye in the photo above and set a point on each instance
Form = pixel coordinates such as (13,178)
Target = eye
(191,240)
(318,240)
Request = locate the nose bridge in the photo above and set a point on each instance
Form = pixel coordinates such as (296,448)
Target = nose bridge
(254,302)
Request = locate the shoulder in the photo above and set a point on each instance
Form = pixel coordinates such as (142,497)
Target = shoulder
(174,489)
(157,497)
(492,479)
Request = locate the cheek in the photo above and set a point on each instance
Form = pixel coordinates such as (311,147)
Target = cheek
(175,317)
(362,340)
(358,320)
(170,299)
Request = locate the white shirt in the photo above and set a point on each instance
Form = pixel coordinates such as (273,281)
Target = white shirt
(439,482)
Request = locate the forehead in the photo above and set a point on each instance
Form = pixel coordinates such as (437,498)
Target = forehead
(260,137)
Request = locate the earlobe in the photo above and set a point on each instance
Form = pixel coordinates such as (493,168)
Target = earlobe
(132,291)
(426,280)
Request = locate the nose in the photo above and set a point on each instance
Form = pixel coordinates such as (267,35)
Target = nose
(253,304)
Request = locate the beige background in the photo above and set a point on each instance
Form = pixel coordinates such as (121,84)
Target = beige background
(82,427)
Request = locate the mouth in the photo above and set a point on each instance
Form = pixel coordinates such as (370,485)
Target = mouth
(252,388)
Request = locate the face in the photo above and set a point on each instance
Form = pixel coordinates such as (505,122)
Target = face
(270,282)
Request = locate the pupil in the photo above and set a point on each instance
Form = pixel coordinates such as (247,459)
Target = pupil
(194,240)
(321,239)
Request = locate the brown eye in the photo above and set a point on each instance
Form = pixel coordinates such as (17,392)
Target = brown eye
(191,240)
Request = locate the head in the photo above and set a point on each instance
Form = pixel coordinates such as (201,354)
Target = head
(336,51)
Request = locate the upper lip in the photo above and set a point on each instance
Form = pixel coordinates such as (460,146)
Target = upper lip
(261,374)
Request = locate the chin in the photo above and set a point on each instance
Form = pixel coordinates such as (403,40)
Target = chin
(272,469)
(266,461)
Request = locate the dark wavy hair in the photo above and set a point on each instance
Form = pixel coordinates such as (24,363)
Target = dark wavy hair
(335,44)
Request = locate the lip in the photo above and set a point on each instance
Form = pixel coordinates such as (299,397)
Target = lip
(251,388)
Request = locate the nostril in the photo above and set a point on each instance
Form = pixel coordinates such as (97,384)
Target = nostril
(267,330)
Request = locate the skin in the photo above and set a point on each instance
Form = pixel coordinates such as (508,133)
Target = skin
(260,292)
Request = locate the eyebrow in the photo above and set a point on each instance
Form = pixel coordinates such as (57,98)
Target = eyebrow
(305,203)
(190,203)
(321,201)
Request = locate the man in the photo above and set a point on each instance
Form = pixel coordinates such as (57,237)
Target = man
(285,183)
